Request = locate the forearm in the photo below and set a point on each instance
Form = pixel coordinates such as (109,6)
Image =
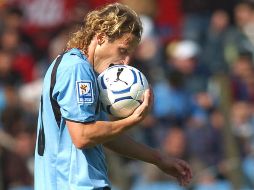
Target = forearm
(91,134)
(127,147)
(106,131)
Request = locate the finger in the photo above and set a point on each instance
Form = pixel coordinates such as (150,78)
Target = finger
(189,174)
(151,100)
(180,174)
(187,179)
(186,168)
(147,96)
(185,172)
(151,92)
(181,167)
(143,108)
(183,181)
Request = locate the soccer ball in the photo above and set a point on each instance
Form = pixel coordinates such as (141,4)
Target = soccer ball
(121,89)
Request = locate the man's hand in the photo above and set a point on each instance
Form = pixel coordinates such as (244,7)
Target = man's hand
(176,168)
(140,113)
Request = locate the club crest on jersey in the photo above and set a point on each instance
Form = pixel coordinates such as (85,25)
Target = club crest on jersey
(84,92)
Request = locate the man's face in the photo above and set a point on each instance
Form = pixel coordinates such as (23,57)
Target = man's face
(116,52)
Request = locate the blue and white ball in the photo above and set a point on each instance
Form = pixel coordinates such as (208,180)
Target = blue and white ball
(121,89)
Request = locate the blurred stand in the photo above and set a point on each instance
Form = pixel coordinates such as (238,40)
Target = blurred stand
(198,57)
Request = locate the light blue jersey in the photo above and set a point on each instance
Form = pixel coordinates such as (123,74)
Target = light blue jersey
(63,166)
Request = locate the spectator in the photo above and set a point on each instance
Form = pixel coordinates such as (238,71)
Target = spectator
(215,39)
(22,59)
(171,100)
(242,123)
(242,72)
(183,57)
(205,139)
(8,76)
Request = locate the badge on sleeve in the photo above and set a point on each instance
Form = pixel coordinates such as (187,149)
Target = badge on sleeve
(84,92)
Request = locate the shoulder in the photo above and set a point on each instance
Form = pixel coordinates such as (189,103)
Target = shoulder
(75,61)
(74,57)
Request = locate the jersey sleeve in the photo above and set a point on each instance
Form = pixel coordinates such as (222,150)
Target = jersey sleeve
(75,91)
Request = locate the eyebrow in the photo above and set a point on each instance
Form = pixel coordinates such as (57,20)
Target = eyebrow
(124,47)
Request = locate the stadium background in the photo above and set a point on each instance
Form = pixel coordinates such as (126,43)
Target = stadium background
(198,56)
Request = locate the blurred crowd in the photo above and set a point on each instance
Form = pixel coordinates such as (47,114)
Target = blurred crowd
(197,55)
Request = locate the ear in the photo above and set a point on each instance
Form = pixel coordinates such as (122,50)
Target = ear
(100,38)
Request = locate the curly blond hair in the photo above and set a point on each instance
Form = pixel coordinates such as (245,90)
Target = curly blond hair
(113,20)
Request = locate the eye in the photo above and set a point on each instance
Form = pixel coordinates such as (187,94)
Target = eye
(123,51)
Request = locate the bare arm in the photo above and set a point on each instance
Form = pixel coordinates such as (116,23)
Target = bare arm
(98,132)
(91,134)
(127,147)
(174,167)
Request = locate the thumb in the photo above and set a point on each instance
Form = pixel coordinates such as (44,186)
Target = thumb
(146,97)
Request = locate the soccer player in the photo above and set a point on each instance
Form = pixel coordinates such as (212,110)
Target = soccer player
(72,128)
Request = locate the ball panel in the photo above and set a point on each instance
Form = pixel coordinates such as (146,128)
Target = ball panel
(139,95)
(124,108)
(135,88)
(105,96)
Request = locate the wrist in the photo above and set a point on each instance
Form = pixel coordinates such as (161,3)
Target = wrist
(132,120)
(158,158)
(124,123)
